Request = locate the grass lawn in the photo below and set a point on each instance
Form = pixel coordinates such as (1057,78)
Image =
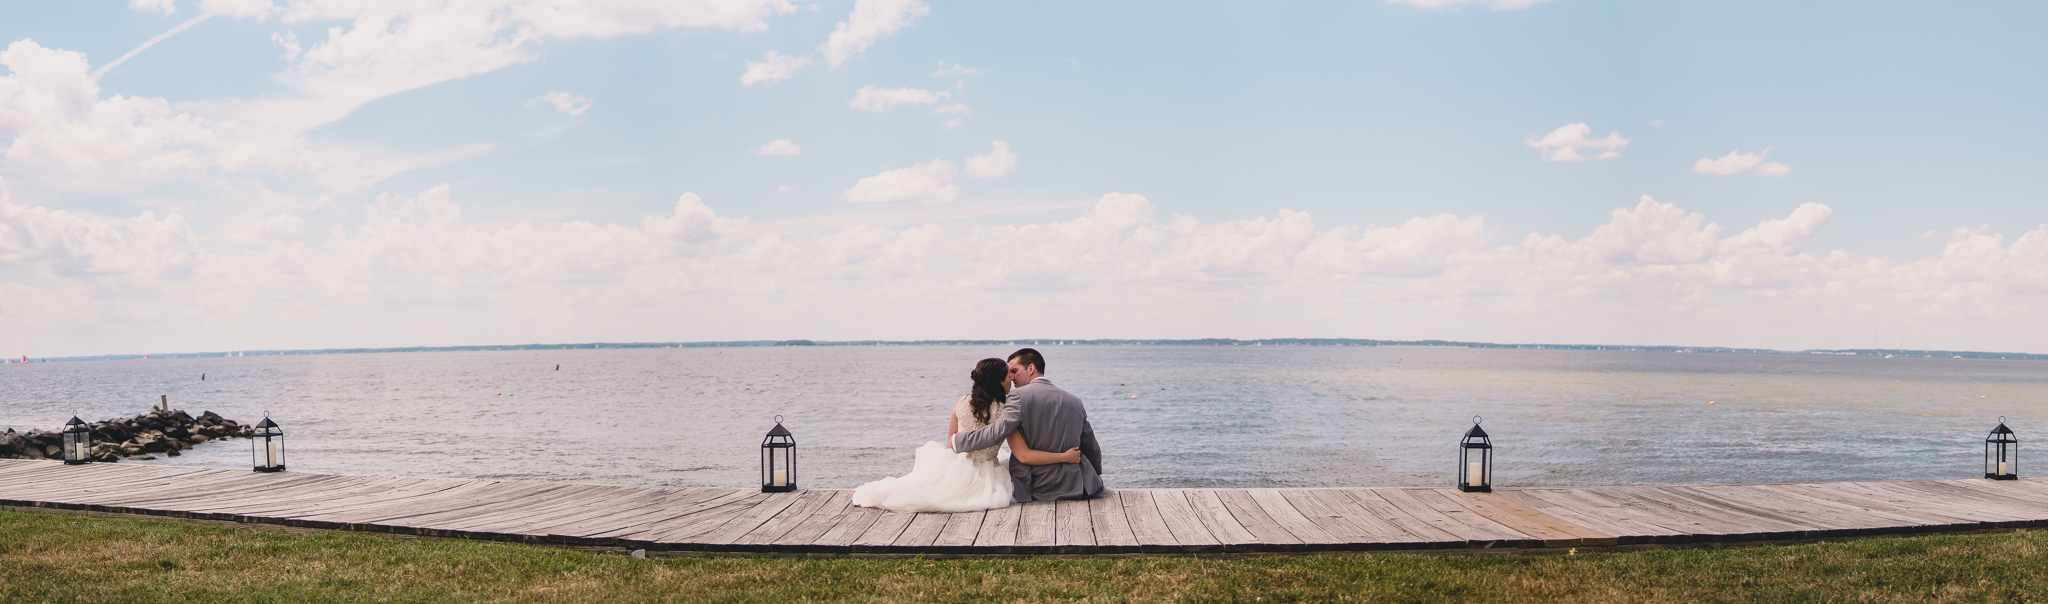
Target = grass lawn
(58,557)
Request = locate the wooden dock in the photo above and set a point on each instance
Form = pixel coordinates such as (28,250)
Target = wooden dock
(711,519)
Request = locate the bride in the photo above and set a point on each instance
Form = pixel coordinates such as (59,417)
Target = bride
(945,481)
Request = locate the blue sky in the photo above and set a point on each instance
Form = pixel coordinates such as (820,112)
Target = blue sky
(1264,144)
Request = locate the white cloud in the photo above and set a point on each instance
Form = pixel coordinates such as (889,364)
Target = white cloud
(780,146)
(421,272)
(153,6)
(994,164)
(572,104)
(774,67)
(1737,162)
(50,106)
(871,20)
(1564,143)
(956,70)
(53,108)
(281,225)
(878,100)
(955,109)
(1492,4)
(927,183)
(248,9)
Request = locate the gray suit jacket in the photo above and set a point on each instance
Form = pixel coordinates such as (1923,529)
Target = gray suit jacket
(1053,420)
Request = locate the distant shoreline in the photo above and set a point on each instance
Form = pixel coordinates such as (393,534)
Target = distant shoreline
(1868,352)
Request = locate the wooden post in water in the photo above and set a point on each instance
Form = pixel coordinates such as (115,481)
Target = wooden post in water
(165,399)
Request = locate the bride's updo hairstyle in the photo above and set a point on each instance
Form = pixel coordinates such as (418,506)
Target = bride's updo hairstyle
(988,376)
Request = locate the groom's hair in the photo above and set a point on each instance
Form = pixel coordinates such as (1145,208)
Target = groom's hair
(1030,357)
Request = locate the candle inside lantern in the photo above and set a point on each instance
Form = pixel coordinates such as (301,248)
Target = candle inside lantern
(2001,469)
(781,478)
(273,452)
(80,451)
(1475,473)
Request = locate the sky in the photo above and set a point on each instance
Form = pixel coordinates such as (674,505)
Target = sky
(275,174)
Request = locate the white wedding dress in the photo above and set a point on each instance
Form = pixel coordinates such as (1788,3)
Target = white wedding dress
(944,481)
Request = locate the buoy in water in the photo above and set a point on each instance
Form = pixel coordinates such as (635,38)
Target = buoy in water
(558,368)
(1710,402)
(202,377)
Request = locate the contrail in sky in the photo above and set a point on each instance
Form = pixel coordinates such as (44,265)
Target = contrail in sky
(145,45)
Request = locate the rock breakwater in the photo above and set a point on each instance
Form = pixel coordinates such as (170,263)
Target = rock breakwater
(161,431)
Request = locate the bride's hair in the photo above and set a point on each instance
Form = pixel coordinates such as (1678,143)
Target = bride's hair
(988,376)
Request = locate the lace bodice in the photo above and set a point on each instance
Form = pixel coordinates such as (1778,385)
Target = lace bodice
(963,414)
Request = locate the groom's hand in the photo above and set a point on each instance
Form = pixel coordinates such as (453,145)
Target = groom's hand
(1071,456)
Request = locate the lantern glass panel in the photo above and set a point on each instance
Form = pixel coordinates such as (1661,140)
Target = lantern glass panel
(77,442)
(266,448)
(778,460)
(1475,460)
(2001,453)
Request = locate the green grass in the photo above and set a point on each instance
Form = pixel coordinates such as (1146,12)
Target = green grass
(58,557)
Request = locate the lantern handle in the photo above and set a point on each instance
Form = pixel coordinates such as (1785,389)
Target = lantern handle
(778,420)
(2001,420)
(1475,420)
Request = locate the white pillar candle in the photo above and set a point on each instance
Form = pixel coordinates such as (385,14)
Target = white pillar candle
(781,478)
(1475,474)
(2001,468)
(271,453)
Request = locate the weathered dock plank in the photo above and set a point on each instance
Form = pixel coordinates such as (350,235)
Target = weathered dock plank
(998,531)
(885,529)
(1216,517)
(1146,524)
(923,530)
(849,529)
(1112,529)
(814,526)
(1035,524)
(1420,531)
(1127,520)
(1283,511)
(1254,519)
(1074,527)
(1180,519)
(1593,513)
(960,530)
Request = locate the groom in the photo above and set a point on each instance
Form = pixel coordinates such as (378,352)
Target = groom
(1051,420)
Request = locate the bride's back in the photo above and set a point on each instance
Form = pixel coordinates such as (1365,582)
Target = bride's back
(963,418)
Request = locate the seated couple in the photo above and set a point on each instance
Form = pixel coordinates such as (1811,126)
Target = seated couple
(966,474)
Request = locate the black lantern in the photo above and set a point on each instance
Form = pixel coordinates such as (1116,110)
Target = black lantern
(266,446)
(1475,460)
(778,460)
(77,442)
(2002,453)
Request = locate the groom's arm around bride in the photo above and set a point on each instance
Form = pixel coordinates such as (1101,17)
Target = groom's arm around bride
(1050,419)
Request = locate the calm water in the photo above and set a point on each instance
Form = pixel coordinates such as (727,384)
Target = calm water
(1166,416)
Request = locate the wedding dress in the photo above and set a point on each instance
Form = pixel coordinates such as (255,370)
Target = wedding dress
(944,481)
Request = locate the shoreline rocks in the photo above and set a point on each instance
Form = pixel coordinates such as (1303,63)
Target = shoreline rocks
(165,432)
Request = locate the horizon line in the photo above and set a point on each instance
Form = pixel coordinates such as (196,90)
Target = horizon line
(1885,352)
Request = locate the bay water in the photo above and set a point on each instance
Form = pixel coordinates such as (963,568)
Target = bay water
(1166,416)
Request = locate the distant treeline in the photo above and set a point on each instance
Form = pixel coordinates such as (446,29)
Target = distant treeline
(1059,342)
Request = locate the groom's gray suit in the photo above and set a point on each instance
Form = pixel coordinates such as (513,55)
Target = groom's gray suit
(1053,421)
